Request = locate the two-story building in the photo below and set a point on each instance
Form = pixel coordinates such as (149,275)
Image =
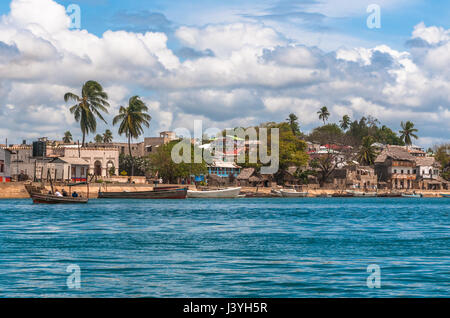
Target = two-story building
(396,167)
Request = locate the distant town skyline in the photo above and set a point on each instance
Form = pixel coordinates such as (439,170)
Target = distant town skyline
(229,64)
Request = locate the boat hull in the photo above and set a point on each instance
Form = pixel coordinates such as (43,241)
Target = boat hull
(411,195)
(292,194)
(445,195)
(155,194)
(215,194)
(53,199)
(363,194)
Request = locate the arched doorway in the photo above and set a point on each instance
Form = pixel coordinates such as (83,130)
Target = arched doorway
(98,168)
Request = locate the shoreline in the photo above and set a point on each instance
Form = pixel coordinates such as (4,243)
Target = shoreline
(16,190)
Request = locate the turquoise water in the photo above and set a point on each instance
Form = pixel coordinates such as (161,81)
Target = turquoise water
(317,247)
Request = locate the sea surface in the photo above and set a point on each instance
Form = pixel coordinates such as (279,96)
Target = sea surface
(306,247)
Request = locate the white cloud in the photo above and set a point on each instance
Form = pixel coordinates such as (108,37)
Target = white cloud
(256,74)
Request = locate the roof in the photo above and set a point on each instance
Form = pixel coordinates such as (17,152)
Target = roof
(254,179)
(223,164)
(425,161)
(246,173)
(75,161)
(396,153)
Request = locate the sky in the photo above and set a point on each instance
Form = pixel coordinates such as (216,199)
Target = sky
(227,63)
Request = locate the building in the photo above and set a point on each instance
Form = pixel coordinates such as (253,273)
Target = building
(428,174)
(151,144)
(5,165)
(396,167)
(224,169)
(355,176)
(35,161)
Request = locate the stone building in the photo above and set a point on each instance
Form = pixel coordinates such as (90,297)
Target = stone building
(356,177)
(396,167)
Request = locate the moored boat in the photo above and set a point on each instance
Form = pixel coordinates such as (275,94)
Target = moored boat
(362,194)
(445,195)
(54,199)
(292,193)
(157,193)
(412,195)
(229,193)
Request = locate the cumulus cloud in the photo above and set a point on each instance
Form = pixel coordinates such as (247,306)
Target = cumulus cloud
(229,75)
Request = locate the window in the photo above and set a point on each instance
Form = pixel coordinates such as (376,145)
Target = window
(402,172)
(395,170)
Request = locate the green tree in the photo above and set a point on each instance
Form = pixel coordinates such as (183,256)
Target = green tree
(385,135)
(107,137)
(98,139)
(367,153)
(67,139)
(163,165)
(407,132)
(345,122)
(323,114)
(132,119)
(92,102)
(293,123)
(325,134)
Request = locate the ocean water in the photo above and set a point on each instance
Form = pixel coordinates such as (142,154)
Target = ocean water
(318,247)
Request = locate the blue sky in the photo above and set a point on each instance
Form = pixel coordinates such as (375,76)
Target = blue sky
(228,63)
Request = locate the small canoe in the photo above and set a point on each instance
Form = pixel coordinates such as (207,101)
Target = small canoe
(293,194)
(414,195)
(229,193)
(54,199)
(158,193)
(445,195)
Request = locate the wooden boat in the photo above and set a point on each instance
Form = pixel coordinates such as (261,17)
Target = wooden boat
(324,195)
(342,195)
(157,193)
(413,195)
(39,196)
(362,194)
(445,195)
(54,199)
(389,195)
(229,193)
(292,193)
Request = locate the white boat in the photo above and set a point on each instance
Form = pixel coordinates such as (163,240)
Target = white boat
(290,193)
(414,195)
(229,193)
(362,194)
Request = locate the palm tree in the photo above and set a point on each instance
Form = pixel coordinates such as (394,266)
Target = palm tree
(131,120)
(92,102)
(292,120)
(407,132)
(323,114)
(67,139)
(107,137)
(345,122)
(367,153)
(98,139)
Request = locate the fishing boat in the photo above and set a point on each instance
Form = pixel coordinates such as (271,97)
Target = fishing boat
(228,193)
(38,195)
(39,198)
(412,195)
(362,194)
(445,195)
(157,193)
(292,193)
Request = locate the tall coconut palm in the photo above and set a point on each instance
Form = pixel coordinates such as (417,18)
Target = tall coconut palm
(407,132)
(98,139)
(92,102)
(293,123)
(367,153)
(345,122)
(323,114)
(131,119)
(107,137)
(67,139)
